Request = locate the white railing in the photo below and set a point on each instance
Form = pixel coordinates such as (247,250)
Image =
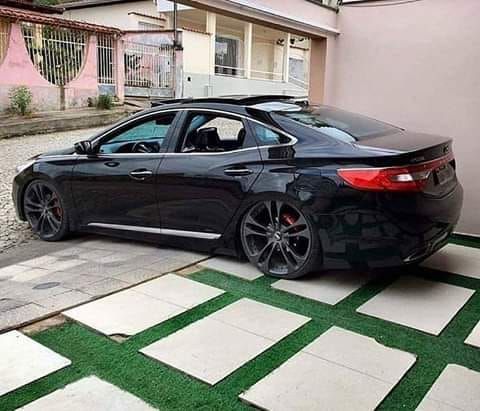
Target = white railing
(148,66)
(229,71)
(4,31)
(105,59)
(266,75)
(57,53)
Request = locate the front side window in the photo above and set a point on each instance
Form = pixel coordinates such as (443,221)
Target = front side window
(210,133)
(146,137)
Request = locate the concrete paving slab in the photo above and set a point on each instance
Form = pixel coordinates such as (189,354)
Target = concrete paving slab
(64,300)
(307,383)
(328,288)
(417,303)
(456,387)
(126,313)
(208,350)
(214,347)
(456,259)
(104,286)
(351,370)
(261,319)
(21,315)
(178,290)
(361,353)
(474,337)
(134,310)
(90,393)
(30,274)
(233,267)
(23,361)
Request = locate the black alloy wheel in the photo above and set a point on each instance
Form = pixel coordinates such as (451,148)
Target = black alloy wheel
(44,211)
(278,239)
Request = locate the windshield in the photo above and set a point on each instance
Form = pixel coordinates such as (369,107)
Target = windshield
(339,124)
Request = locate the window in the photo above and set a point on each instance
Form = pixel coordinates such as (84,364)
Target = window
(267,137)
(207,133)
(146,137)
(335,123)
(227,56)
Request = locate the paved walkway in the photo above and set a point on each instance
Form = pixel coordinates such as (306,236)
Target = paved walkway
(45,278)
(226,338)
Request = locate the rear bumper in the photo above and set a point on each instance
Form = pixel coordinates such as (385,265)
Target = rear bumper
(392,231)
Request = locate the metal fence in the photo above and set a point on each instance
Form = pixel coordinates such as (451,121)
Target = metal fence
(148,66)
(106,59)
(57,53)
(4,31)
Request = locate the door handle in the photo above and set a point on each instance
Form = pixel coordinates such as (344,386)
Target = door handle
(141,174)
(112,163)
(238,171)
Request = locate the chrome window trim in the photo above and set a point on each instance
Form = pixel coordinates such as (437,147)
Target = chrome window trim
(155,230)
(293,140)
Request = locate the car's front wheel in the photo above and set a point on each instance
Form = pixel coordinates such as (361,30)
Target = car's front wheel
(45,211)
(279,239)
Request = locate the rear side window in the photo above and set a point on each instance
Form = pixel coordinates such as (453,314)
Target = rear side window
(267,137)
(339,124)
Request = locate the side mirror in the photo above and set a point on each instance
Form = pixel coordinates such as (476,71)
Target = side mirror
(83,147)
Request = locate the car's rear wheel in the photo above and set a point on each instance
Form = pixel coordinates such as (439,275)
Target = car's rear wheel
(279,239)
(45,211)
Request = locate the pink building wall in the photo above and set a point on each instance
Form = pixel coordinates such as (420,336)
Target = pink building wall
(17,69)
(416,65)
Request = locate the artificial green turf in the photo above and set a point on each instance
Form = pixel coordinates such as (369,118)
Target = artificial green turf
(166,388)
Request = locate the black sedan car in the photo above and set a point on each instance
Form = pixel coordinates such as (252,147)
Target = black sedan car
(292,187)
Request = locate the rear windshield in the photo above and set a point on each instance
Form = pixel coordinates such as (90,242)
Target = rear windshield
(339,124)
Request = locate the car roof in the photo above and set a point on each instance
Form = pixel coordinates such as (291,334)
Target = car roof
(238,100)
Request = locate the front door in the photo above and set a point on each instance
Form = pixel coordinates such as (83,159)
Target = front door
(207,174)
(116,186)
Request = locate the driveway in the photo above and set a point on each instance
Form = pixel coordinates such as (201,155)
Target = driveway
(227,338)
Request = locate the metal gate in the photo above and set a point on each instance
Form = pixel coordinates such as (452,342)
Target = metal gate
(148,70)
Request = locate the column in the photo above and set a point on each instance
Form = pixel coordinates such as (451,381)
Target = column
(212,30)
(247,49)
(120,70)
(286,58)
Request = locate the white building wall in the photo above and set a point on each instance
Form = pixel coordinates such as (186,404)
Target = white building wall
(116,15)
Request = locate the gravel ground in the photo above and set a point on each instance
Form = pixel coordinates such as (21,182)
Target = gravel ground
(13,152)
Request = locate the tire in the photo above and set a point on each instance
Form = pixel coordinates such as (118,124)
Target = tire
(45,211)
(280,240)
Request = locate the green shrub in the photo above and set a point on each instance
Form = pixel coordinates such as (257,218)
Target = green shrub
(20,100)
(104,102)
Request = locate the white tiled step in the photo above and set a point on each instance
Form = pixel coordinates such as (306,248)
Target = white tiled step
(417,303)
(23,360)
(239,269)
(457,388)
(136,309)
(90,393)
(474,337)
(328,287)
(340,370)
(456,259)
(214,347)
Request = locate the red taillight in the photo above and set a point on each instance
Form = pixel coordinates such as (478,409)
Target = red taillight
(403,178)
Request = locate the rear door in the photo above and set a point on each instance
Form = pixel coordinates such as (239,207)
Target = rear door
(206,174)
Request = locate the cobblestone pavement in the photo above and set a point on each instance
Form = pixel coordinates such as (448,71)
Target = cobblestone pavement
(13,152)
